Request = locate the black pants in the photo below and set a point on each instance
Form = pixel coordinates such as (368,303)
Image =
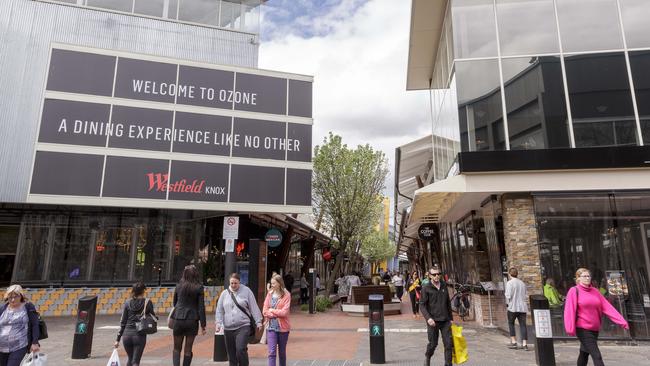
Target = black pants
(521,318)
(399,290)
(432,332)
(14,358)
(589,346)
(304,295)
(237,346)
(134,347)
(415,304)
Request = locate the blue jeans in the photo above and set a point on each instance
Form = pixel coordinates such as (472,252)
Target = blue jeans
(14,358)
(277,340)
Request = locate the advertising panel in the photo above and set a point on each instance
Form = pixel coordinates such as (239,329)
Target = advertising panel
(149,129)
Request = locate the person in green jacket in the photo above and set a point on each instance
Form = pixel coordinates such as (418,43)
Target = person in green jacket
(551,293)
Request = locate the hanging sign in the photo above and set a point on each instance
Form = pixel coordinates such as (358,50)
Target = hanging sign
(427,231)
(273,238)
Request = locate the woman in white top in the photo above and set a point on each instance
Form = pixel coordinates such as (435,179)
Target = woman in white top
(398,281)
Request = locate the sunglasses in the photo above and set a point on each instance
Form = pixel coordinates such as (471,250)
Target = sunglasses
(434,274)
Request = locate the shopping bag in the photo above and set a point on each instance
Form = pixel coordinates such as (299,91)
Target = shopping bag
(34,359)
(460,345)
(114,360)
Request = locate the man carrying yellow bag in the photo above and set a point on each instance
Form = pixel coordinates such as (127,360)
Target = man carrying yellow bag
(460,345)
(436,310)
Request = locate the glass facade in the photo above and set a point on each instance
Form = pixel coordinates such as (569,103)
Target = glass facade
(558,68)
(608,234)
(239,15)
(70,246)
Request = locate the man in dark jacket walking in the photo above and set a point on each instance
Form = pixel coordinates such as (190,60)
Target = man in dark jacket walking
(436,309)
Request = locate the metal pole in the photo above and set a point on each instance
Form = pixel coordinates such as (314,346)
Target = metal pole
(490,307)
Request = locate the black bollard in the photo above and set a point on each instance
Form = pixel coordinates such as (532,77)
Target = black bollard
(220,353)
(544,350)
(82,342)
(311,278)
(376,329)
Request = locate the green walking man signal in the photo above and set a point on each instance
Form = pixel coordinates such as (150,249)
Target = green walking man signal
(376,330)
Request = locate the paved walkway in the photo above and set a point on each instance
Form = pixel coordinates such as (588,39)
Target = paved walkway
(332,338)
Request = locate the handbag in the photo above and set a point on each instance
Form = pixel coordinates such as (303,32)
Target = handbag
(459,354)
(34,359)
(42,327)
(251,331)
(170,319)
(147,324)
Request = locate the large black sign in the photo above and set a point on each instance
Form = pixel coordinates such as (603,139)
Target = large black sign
(129,104)
(427,231)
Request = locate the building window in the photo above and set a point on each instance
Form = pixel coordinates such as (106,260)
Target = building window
(601,100)
(479,104)
(635,22)
(119,5)
(474,29)
(589,25)
(536,103)
(527,27)
(156,8)
(200,11)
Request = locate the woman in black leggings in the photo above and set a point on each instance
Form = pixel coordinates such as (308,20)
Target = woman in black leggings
(134,308)
(189,311)
(413,286)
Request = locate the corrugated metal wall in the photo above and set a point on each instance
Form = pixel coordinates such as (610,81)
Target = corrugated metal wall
(27,28)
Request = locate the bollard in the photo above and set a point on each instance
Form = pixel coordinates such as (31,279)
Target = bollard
(82,343)
(376,329)
(544,350)
(220,353)
(311,277)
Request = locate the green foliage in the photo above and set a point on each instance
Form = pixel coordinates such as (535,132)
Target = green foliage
(323,303)
(346,186)
(304,307)
(376,247)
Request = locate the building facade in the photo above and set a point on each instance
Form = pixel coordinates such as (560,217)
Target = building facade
(130,128)
(548,100)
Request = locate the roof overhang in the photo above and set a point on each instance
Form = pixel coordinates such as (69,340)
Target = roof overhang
(427,18)
(450,199)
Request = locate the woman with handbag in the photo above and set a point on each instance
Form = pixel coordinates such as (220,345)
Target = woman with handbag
(238,315)
(18,327)
(137,311)
(276,312)
(413,286)
(188,312)
(583,312)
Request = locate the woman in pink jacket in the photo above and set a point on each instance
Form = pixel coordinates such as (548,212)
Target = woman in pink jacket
(276,312)
(583,310)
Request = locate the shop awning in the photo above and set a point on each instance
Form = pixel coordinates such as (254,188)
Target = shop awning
(450,199)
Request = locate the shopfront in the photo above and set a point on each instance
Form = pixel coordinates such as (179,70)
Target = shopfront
(607,233)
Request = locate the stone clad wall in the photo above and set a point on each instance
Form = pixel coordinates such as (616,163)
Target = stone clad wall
(521,241)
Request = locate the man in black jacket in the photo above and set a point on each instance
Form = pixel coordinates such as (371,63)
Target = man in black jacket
(436,309)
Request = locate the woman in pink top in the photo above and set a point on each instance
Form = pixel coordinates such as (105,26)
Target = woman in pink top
(583,310)
(276,312)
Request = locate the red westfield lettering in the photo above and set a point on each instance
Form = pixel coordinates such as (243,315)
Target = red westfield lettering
(160,183)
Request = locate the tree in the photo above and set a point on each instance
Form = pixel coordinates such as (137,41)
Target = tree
(376,247)
(346,185)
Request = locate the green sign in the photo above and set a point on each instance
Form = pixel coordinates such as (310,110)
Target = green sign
(273,238)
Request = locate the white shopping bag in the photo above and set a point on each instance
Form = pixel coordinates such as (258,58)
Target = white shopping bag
(34,359)
(114,360)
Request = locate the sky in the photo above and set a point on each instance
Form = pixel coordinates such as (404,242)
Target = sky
(357,51)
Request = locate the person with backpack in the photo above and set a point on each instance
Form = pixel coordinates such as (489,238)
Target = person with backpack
(583,312)
(18,326)
(187,315)
(135,310)
(238,315)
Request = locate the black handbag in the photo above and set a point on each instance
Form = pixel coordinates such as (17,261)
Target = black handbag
(147,324)
(42,327)
(252,326)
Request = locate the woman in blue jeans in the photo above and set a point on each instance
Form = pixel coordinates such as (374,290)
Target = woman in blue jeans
(19,331)
(276,312)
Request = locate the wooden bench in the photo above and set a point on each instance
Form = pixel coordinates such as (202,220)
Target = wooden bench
(357,304)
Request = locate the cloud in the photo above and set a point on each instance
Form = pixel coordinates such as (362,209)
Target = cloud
(357,52)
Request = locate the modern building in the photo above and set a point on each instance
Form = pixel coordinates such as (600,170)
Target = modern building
(549,101)
(129,130)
